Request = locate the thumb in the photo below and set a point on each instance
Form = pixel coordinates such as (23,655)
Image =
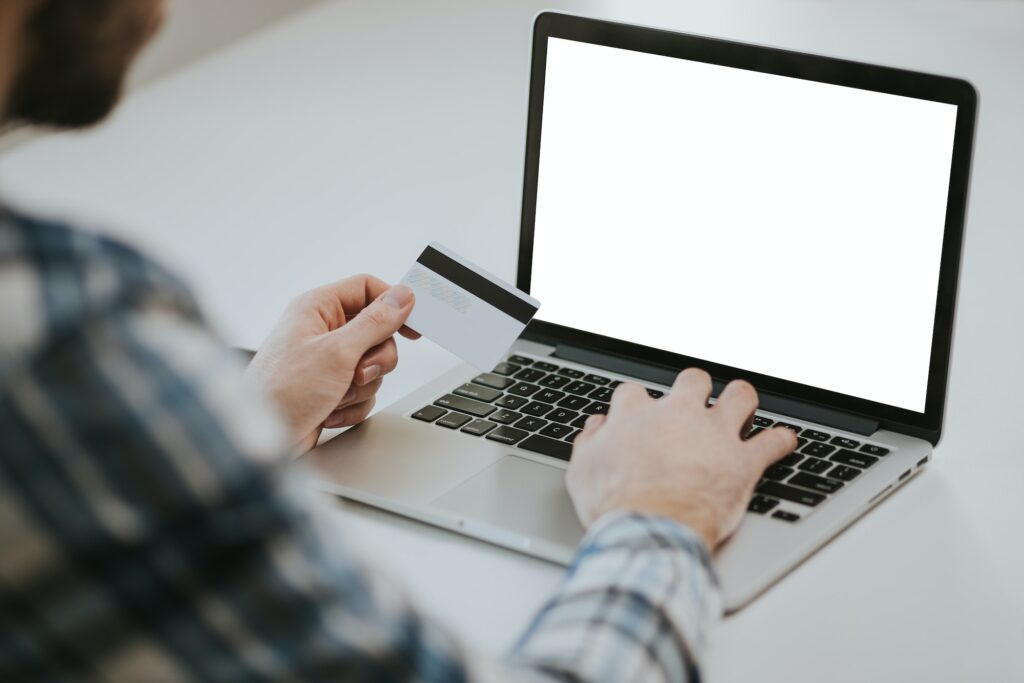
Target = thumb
(377,322)
(774,444)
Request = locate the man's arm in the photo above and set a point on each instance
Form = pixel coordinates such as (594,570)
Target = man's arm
(636,605)
(172,538)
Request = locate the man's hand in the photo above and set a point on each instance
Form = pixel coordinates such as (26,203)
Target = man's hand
(675,457)
(324,361)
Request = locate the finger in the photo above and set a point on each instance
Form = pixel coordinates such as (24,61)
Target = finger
(350,415)
(627,394)
(736,404)
(357,292)
(339,301)
(692,387)
(378,361)
(377,322)
(590,427)
(358,394)
(772,445)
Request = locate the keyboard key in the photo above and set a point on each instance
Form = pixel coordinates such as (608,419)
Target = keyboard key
(572,437)
(548,396)
(537,409)
(531,424)
(574,402)
(872,449)
(479,427)
(596,379)
(614,384)
(569,372)
(512,402)
(795,495)
(465,405)
(453,420)
(580,388)
(580,422)
(800,442)
(506,369)
(493,381)
(601,394)
(787,425)
(520,360)
(818,449)
(545,446)
(596,408)
(815,465)
(754,432)
(562,415)
(761,505)
(860,460)
(530,375)
(761,421)
(844,473)
(843,442)
(504,417)
(790,460)
(554,382)
(507,435)
(524,389)
(777,472)
(820,484)
(655,393)
(785,516)
(814,435)
(478,392)
(546,367)
(557,431)
(429,414)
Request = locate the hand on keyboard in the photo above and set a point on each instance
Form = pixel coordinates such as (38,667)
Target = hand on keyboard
(675,457)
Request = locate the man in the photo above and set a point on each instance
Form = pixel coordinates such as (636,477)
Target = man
(151,527)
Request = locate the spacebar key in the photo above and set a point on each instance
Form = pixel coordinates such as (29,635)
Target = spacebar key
(545,446)
(771,488)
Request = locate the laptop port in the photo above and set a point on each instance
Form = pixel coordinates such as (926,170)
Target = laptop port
(923,460)
(904,475)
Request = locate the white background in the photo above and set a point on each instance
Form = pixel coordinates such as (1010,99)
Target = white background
(772,224)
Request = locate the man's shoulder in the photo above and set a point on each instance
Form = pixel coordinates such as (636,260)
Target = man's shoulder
(55,279)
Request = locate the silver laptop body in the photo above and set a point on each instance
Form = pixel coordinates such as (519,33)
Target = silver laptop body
(450,454)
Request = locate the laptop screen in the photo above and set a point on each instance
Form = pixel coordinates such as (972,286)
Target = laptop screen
(780,226)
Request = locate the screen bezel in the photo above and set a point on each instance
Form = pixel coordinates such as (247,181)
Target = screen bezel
(881,79)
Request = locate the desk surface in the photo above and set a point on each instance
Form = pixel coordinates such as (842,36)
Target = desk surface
(346,137)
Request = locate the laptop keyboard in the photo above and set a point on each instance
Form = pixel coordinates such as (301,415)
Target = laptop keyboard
(541,407)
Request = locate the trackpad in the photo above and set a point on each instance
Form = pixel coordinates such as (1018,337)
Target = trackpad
(519,495)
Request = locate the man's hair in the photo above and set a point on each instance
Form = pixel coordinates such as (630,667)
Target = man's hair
(77,55)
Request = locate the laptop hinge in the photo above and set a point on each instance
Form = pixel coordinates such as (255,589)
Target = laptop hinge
(660,374)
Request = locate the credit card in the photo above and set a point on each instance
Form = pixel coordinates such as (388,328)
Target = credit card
(465,309)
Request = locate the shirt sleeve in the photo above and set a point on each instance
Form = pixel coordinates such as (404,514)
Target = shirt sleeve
(173,539)
(636,605)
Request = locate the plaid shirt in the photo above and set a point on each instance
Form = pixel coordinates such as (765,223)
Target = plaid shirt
(153,529)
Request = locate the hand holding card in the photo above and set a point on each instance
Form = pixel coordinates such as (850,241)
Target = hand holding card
(465,309)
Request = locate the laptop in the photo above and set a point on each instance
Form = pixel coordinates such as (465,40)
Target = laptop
(789,219)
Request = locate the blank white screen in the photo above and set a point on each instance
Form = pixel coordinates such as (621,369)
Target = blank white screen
(776,225)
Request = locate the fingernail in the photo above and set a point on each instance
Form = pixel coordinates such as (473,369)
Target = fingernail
(369,374)
(349,395)
(398,296)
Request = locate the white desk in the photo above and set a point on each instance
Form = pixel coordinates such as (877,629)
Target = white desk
(344,139)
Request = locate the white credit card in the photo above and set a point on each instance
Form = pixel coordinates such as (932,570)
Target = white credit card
(465,309)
